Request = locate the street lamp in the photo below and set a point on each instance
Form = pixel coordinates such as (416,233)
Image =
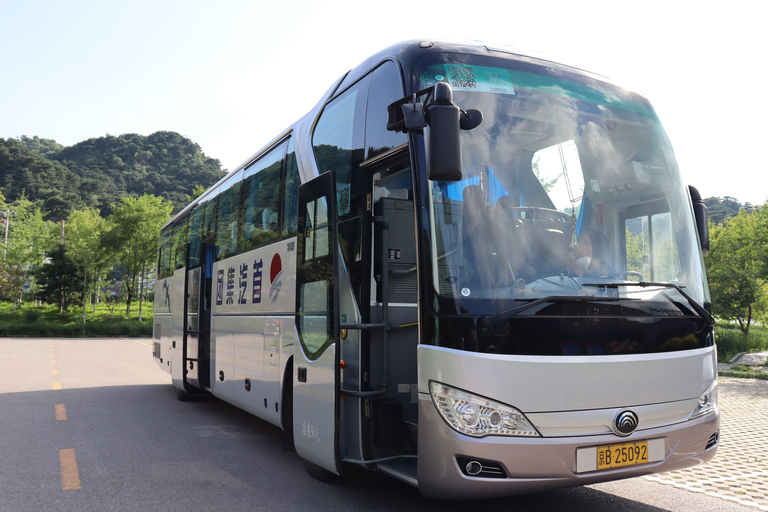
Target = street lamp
(6,219)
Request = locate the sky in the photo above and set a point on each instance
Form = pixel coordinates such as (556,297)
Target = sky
(232,75)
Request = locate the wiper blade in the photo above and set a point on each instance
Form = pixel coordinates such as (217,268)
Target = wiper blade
(703,313)
(503,315)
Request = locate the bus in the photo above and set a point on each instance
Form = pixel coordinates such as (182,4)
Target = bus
(469,268)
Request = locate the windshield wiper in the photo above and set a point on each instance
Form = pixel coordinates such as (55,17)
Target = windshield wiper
(703,313)
(508,313)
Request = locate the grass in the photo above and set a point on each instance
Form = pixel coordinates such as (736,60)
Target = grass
(46,321)
(731,341)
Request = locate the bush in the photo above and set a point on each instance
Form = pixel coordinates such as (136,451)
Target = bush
(46,321)
(731,341)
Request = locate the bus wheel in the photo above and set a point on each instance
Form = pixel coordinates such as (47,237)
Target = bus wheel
(317,472)
(181,395)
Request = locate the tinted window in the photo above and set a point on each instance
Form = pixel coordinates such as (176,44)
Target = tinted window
(193,235)
(260,205)
(209,217)
(338,142)
(164,252)
(291,194)
(180,244)
(386,87)
(226,223)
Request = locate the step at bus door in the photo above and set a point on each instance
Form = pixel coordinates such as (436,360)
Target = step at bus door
(316,356)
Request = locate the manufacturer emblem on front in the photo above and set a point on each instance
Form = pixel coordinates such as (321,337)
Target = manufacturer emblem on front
(624,423)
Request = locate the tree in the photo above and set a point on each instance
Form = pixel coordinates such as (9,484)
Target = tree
(737,267)
(722,208)
(26,173)
(82,240)
(29,237)
(59,280)
(131,237)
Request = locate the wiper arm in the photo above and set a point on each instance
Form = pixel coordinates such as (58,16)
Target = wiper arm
(703,313)
(508,313)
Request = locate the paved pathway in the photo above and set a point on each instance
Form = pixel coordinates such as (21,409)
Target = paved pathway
(739,471)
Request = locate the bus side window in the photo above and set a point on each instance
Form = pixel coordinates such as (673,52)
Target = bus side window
(226,226)
(179,244)
(164,252)
(193,235)
(291,193)
(260,201)
(338,143)
(386,87)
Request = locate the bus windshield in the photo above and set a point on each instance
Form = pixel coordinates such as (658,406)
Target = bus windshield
(569,182)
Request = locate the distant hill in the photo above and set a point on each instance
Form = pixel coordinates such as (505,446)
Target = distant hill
(98,172)
(723,208)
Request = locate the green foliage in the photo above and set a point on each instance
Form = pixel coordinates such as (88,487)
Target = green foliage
(59,280)
(45,147)
(131,238)
(737,268)
(731,341)
(98,172)
(163,164)
(82,240)
(47,183)
(721,209)
(47,321)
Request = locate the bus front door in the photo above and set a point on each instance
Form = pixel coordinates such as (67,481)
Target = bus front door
(197,334)
(316,357)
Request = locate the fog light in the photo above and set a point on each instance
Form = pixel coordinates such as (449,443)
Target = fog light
(474,468)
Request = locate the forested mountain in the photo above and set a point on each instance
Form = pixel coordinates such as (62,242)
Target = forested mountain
(98,172)
(722,208)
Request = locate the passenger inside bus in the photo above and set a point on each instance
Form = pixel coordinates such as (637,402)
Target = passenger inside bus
(580,257)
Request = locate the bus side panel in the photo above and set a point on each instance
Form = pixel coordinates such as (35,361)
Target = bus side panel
(248,363)
(162,325)
(314,404)
(272,369)
(222,358)
(176,283)
(161,341)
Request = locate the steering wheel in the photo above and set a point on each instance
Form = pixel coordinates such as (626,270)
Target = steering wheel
(631,273)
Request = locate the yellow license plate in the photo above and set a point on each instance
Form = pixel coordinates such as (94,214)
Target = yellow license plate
(619,455)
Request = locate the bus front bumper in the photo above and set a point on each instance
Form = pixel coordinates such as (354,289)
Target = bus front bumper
(518,465)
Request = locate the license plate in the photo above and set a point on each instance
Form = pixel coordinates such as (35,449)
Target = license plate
(619,455)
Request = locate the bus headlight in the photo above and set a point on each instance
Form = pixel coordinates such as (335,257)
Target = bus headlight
(707,402)
(478,416)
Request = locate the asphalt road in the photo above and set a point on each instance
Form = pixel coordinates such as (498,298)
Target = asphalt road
(94,425)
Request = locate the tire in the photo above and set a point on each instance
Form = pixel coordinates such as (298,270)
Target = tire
(318,473)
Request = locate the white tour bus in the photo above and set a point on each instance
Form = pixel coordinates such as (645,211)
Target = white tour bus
(471,269)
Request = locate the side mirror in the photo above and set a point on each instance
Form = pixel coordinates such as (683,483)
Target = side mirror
(444,120)
(702,218)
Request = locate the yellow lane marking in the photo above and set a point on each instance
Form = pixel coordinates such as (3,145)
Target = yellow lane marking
(53,362)
(54,372)
(57,385)
(53,355)
(61,412)
(70,476)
